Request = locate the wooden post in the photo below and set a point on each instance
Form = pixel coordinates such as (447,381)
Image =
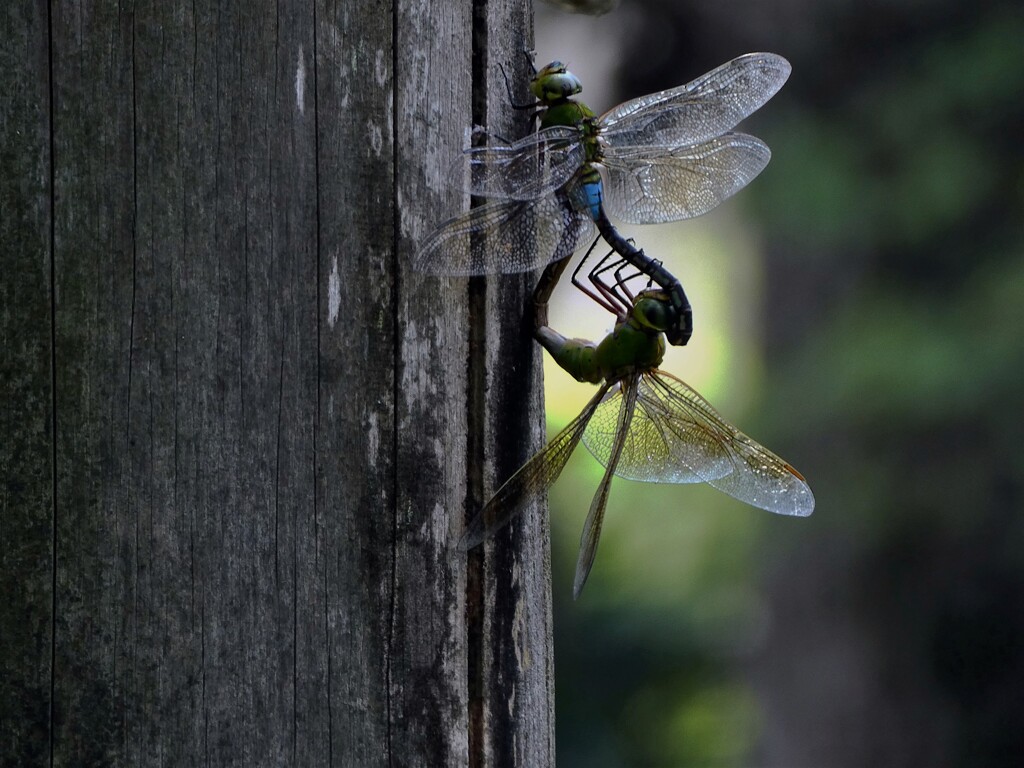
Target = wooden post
(26,389)
(241,435)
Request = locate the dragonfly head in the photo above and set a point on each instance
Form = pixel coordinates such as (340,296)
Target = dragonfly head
(554,82)
(653,311)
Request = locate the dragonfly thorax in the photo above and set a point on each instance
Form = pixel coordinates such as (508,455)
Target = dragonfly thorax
(591,138)
(566,112)
(629,349)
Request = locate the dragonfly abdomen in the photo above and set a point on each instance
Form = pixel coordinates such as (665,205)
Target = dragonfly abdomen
(576,356)
(588,191)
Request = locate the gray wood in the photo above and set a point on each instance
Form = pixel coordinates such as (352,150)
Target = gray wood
(356,499)
(268,429)
(98,527)
(507,605)
(26,412)
(517,662)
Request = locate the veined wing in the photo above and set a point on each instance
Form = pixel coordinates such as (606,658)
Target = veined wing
(708,445)
(505,236)
(657,448)
(533,478)
(527,169)
(654,185)
(700,110)
(595,518)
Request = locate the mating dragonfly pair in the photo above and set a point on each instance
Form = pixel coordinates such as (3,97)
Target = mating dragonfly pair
(666,156)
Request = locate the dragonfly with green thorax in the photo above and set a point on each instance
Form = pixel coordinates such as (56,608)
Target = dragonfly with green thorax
(642,424)
(665,156)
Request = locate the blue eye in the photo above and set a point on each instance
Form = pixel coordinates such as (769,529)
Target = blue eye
(555,82)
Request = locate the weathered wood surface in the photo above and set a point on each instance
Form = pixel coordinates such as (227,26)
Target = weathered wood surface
(229,507)
(515,679)
(26,391)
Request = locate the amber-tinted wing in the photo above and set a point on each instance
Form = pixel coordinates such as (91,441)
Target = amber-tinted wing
(676,436)
(625,398)
(532,479)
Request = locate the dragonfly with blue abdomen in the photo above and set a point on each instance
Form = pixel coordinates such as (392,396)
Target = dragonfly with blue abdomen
(665,156)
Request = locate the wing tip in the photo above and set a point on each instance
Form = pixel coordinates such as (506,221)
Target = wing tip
(778,61)
(468,541)
(805,498)
(773,62)
(578,583)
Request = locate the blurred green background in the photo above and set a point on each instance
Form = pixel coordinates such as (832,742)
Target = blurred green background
(858,310)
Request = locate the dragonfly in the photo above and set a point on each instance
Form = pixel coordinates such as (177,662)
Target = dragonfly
(665,156)
(643,423)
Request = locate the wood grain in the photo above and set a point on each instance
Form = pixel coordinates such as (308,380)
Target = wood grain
(26,388)
(237,546)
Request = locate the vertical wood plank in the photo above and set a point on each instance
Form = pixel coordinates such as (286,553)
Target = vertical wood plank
(97,533)
(261,412)
(518,670)
(187,143)
(26,413)
(428,657)
(355,417)
(226,321)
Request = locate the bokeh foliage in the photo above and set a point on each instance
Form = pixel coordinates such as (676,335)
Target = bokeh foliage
(886,629)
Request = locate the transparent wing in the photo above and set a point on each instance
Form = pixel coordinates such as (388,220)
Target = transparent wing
(531,480)
(678,437)
(700,110)
(595,518)
(527,169)
(505,236)
(652,187)
(651,452)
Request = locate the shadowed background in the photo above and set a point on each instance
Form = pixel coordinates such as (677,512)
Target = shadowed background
(858,311)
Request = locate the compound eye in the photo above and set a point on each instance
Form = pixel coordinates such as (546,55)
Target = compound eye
(555,82)
(654,314)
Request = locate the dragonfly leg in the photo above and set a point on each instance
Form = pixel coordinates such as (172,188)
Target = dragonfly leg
(620,287)
(678,334)
(622,281)
(531,56)
(611,292)
(508,86)
(601,298)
